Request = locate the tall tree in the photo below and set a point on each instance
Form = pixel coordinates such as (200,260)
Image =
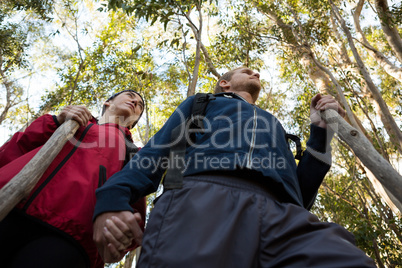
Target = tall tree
(19,31)
(176,12)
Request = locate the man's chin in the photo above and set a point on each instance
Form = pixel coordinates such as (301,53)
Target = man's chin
(254,89)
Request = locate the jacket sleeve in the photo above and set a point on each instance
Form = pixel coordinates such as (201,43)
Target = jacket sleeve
(36,134)
(315,163)
(141,176)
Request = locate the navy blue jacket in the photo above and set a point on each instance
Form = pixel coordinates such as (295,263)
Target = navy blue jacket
(237,135)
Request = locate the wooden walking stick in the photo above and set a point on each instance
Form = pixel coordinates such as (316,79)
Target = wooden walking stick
(22,184)
(365,151)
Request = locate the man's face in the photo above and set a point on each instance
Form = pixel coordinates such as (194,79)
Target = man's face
(245,79)
(128,105)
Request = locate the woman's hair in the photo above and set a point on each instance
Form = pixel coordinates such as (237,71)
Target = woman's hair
(117,94)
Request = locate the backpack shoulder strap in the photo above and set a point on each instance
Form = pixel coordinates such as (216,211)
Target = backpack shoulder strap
(198,109)
(174,174)
(295,139)
(131,150)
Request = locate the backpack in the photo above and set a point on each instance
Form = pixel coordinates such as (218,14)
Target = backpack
(174,175)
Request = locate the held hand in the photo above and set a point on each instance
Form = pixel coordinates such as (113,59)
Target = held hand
(78,113)
(119,233)
(114,232)
(321,103)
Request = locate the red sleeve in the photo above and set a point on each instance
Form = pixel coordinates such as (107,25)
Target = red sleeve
(141,207)
(38,132)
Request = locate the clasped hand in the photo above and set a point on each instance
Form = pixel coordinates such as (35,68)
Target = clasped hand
(115,232)
(78,113)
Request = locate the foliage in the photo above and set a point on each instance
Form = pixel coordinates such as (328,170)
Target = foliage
(241,43)
(42,8)
(17,35)
(14,45)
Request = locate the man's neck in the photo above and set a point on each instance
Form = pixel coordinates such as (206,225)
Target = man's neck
(246,95)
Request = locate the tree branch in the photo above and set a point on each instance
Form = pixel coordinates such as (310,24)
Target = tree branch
(386,64)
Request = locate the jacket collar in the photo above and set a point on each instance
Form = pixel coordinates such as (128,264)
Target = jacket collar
(231,95)
(124,130)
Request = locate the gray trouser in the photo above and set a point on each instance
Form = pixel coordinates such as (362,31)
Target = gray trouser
(227,222)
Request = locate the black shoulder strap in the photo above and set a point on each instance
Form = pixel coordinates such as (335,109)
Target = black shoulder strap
(174,175)
(131,150)
(295,139)
(200,104)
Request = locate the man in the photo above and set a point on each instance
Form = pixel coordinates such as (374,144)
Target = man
(53,226)
(243,199)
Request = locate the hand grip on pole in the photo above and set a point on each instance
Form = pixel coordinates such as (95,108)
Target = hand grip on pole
(22,184)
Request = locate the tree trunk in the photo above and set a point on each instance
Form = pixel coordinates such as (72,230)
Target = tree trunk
(197,35)
(75,84)
(208,60)
(9,90)
(390,31)
(385,64)
(322,78)
(389,123)
(8,105)
(319,74)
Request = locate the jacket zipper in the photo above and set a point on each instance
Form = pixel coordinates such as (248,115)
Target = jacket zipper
(102,175)
(57,169)
(252,145)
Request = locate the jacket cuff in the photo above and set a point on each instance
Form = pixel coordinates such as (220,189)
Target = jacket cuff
(320,139)
(111,200)
(318,144)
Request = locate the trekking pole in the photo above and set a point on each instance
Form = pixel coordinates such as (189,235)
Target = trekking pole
(368,155)
(22,184)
